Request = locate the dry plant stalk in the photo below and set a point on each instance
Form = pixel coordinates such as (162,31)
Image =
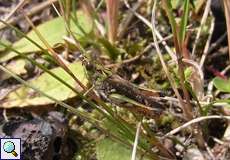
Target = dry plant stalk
(112,7)
(87,8)
(227,17)
(180,47)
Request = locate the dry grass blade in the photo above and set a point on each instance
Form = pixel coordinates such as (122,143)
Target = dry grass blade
(187,108)
(87,7)
(56,10)
(203,20)
(136,141)
(227,17)
(172,82)
(112,7)
(179,44)
(196,120)
(128,19)
(208,48)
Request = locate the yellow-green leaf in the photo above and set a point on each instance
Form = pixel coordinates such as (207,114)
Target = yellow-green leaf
(108,149)
(24,96)
(53,32)
(222,84)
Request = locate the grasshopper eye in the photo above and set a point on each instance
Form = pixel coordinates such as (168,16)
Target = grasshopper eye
(89,66)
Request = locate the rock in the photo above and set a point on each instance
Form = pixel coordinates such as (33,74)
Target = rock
(41,138)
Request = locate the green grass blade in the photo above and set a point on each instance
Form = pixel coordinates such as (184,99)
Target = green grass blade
(168,9)
(184,22)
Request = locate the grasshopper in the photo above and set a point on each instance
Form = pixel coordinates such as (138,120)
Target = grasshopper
(106,83)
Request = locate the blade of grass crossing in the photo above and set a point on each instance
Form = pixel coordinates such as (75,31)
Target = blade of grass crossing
(53,53)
